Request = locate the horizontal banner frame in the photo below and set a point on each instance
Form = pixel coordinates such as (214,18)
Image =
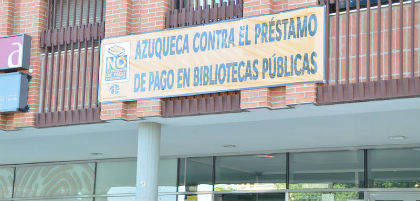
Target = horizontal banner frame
(322,28)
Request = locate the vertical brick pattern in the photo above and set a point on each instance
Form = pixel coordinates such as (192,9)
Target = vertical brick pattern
(273,97)
(384,52)
(150,107)
(131,110)
(292,4)
(17,18)
(276,97)
(7,8)
(300,93)
(259,7)
(118,17)
(126,17)
(149,15)
(121,110)
(255,98)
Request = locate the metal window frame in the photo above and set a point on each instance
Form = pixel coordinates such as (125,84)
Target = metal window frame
(364,190)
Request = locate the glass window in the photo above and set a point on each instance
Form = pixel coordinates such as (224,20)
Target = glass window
(167,197)
(54,180)
(65,199)
(168,169)
(252,172)
(198,197)
(116,198)
(132,198)
(61,15)
(116,177)
(342,169)
(250,197)
(327,196)
(394,168)
(6,182)
(196,174)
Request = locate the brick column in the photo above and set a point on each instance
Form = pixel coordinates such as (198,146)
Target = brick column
(276,97)
(6,26)
(273,97)
(292,4)
(127,17)
(117,17)
(258,7)
(149,15)
(7,8)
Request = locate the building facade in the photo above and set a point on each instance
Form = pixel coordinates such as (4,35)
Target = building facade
(352,135)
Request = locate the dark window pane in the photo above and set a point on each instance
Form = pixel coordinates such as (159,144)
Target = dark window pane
(342,169)
(196,174)
(394,196)
(6,182)
(250,197)
(394,168)
(61,14)
(167,175)
(252,172)
(116,177)
(327,196)
(181,174)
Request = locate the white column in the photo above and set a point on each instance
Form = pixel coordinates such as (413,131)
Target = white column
(148,161)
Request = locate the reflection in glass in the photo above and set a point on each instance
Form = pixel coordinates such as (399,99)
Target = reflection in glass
(327,196)
(250,197)
(116,198)
(195,174)
(54,180)
(6,182)
(253,172)
(199,197)
(341,169)
(167,198)
(394,168)
(116,177)
(167,175)
(65,199)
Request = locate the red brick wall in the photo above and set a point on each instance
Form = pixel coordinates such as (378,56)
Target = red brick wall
(29,17)
(7,8)
(133,16)
(118,17)
(276,97)
(258,7)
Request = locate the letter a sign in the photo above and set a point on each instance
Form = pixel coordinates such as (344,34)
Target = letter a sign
(15,52)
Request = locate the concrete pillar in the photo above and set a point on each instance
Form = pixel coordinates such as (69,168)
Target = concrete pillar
(148,161)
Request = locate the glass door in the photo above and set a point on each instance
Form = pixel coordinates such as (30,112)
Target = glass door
(394,196)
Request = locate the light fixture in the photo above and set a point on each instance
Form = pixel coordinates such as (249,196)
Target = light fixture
(229,146)
(264,156)
(96,153)
(397,137)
